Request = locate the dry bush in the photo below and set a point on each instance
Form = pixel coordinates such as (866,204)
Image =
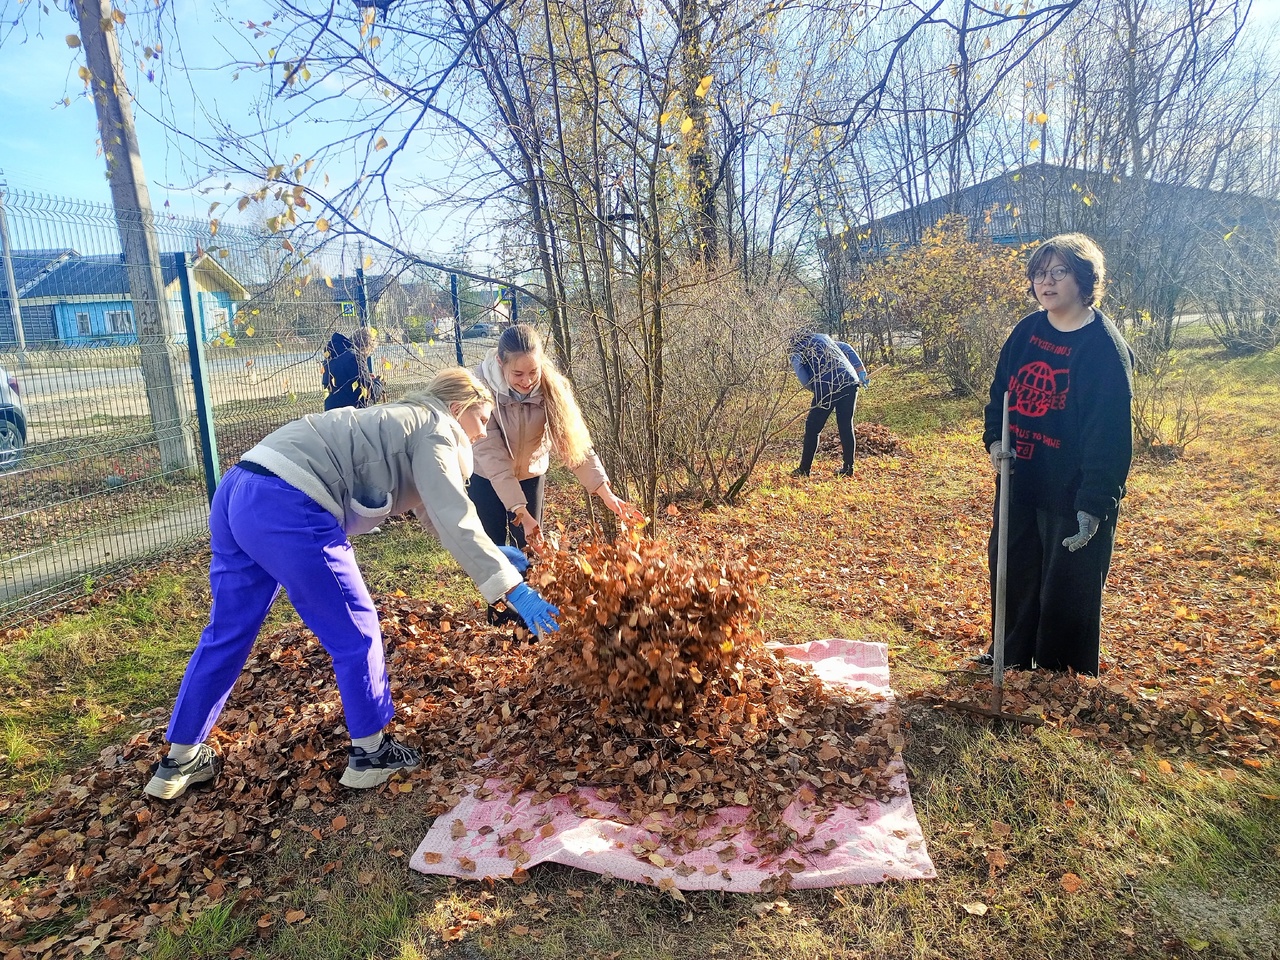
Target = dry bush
(698,391)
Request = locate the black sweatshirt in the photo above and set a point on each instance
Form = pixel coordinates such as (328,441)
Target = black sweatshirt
(1070,401)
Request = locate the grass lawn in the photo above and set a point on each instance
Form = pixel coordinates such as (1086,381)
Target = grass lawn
(1141,820)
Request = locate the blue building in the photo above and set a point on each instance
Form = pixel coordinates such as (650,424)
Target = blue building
(68,299)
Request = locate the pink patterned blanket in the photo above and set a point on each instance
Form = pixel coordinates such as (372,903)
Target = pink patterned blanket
(488,837)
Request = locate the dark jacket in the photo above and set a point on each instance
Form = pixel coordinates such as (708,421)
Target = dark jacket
(1070,399)
(347,376)
(826,366)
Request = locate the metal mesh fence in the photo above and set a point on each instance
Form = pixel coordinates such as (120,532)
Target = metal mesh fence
(128,386)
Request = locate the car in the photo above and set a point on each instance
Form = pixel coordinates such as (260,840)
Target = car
(481,330)
(13,421)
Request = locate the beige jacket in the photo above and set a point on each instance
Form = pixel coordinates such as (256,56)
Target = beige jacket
(407,457)
(518,444)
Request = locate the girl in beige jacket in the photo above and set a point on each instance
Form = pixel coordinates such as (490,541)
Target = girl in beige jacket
(534,413)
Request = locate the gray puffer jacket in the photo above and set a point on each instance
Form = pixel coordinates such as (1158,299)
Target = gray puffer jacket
(364,466)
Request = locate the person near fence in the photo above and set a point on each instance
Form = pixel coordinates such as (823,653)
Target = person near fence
(282,518)
(834,372)
(347,373)
(535,413)
(1069,375)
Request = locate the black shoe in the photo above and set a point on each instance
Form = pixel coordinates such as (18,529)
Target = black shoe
(800,472)
(845,471)
(983,660)
(369,768)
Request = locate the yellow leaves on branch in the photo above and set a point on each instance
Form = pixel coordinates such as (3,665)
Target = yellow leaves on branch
(704,86)
(381,144)
(73,41)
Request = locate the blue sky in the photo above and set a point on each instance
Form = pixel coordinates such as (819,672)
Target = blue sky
(50,148)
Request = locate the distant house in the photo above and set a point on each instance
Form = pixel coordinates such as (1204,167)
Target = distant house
(75,300)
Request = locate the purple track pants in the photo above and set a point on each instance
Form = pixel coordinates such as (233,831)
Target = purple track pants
(266,535)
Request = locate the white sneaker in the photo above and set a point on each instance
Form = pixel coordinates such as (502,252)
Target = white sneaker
(368,768)
(170,779)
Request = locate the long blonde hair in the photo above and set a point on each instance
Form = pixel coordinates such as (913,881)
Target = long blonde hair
(569,434)
(458,385)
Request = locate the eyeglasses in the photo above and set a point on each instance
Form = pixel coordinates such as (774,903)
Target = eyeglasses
(1057,274)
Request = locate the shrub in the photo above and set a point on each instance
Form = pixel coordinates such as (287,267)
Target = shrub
(959,294)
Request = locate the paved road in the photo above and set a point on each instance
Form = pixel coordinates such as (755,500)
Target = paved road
(74,400)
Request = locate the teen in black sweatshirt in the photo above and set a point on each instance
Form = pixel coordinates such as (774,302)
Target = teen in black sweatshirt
(1069,374)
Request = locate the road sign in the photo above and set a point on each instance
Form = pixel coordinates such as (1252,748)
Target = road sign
(348,308)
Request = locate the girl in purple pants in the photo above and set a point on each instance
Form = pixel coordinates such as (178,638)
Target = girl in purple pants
(282,518)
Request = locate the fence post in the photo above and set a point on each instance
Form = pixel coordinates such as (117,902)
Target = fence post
(199,377)
(457,317)
(362,298)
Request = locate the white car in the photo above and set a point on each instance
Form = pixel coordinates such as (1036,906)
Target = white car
(13,421)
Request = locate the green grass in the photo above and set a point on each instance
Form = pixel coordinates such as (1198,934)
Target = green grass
(913,403)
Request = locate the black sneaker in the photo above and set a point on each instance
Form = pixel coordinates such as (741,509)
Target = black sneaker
(368,768)
(845,471)
(170,779)
(983,660)
(799,472)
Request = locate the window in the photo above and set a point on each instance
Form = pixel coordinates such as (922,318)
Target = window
(119,321)
(83,327)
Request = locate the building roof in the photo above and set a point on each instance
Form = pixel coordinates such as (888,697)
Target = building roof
(31,265)
(346,288)
(55,274)
(1032,202)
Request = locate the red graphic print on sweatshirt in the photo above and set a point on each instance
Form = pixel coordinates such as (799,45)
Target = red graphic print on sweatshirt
(1036,389)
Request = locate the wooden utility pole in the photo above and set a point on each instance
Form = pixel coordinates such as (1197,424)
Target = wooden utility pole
(156,330)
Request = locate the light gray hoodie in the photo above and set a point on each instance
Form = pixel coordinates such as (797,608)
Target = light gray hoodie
(392,458)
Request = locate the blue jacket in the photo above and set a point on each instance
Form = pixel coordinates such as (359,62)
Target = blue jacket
(827,366)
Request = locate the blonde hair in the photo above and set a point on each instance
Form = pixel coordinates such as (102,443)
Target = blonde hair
(569,434)
(458,385)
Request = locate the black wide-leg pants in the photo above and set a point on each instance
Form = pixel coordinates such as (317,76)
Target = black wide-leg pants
(1053,616)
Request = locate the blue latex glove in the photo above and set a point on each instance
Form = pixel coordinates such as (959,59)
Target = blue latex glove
(538,615)
(1088,527)
(517,558)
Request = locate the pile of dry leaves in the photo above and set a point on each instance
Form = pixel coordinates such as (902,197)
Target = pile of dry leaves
(102,867)
(660,692)
(873,440)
